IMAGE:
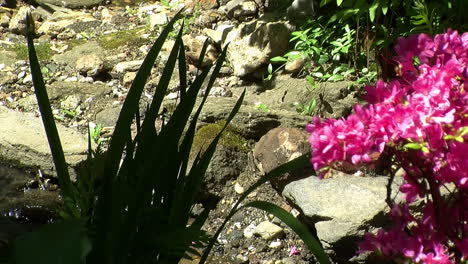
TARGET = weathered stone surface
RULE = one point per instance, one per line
(74, 4)
(23, 142)
(279, 146)
(268, 231)
(90, 65)
(70, 57)
(61, 20)
(345, 207)
(255, 43)
(17, 24)
(240, 8)
(125, 66)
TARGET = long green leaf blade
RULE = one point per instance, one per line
(48, 117)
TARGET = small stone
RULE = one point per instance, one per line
(21, 75)
(240, 259)
(268, 230)
(238, 188)
(249, 231)
(128, 78)
(125, 66)
(27, 79)
(91, 65)
(275, 244)
(295, 65)
(157, 19)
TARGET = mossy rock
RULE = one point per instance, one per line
(117, 39)
(231, 138)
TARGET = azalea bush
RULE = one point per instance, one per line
(419, 122)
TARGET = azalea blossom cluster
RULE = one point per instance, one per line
(419, 120)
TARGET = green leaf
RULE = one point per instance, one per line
(412, 146)
(58, 243)
(278, 59)
(338, 2)
(67, 189)
(373, 9)
(298, 228)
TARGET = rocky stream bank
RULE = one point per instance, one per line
(90, 52)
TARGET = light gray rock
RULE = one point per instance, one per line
(17, 23)
(90, 65)
(23, 142)
(73, 4)
(125, 66)
(240, 8)
(268, 231)
(157, 19)
(253, 44)
(70, 57)
(60, 20)
(343, 208)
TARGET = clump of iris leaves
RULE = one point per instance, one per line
(139, 213)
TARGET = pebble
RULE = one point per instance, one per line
(268, 231)
(249, 231)
(275, 244)
(238, 188)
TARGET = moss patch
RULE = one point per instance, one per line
(231, 138)
(117, 39)
(43, 51)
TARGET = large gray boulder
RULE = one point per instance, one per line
(343, 208)
(23, 143)
(254, 43)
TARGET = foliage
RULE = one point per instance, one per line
(419, 121)
(327, 49)
(140, 211)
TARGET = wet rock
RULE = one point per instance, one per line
(343, 208)
(268, 231)
(73, 4)
(253, 44)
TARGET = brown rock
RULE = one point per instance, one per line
(279, 146)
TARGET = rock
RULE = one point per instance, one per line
(279, 146)
(73, 4)
(301, 10)
(253, 44)
(70, 57)
(194, 46)
(157, 19)
(60, 20)
(23, 142)
(5, 20)
(240, 8)
(17, 23)
(238, 188)
(219, 35)
(89, 65)
(128, 78)
(203, 4)
(295, 66)
(249, 231)
(268, 230)
(343, 208)
(125, 66)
